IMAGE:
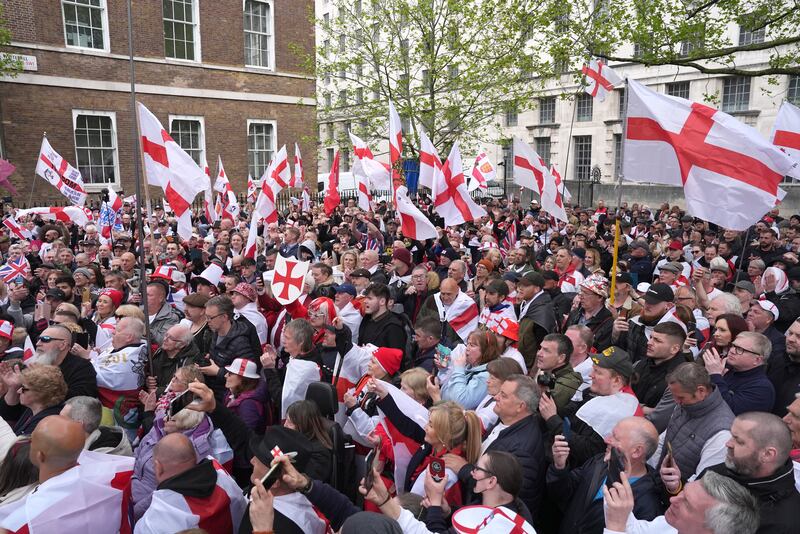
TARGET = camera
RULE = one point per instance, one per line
(546, 380)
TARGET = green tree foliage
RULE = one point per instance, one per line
(9, 66)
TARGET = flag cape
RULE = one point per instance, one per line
(297, 508)
(68, 214)
(61, 175)
(299, 374)
(462, 315)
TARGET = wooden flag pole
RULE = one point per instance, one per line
(617, 229)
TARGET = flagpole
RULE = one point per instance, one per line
(569, 145)
(137, 173)
(617, 229)
(33, 183)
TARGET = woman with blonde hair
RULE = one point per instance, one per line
(129, 310)
(414, 383)
(32, 395)
(348, 262)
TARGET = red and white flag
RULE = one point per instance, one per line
(299, 374)
(462, 314)
(170, 168)
(298, 179)
(252, 189)
(332, 197)
(403, 446)
(560, 185)
(729, 173)
(63, 176)
(288, 279)
(531, 172)
(230, 204)
(306, 205)
(15, 269)
(395, 146)
(17, 229)
(786, 133)
(91, 497)
(222, 511)
(281, 172)
(67, 214)
(450, 196)
(413, 223)
(364, 196)
(208, 196)
(377, 173)
(482, 172)
(429, 161)
(600, 79)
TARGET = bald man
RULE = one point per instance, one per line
(215, 497)
(56, 444)
(636, 439)
(449, 304)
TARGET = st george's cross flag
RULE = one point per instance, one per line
(17, 229)
(377, 173)
(332, 197)
(429, 161)
(560, 185)
(61, 175)
(413, 223)
(170, 168)
(786, 134)
(482, 172)
(531, 172)
(230, 204)
(395, 147)
(451, 198)
(208, 195)
(729, 172)
(67, 214)
(299, 374)
(281, 172)
(298, 178)
(461, 315)
(600, 79)
(252, 189)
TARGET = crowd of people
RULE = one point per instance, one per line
(508, 376)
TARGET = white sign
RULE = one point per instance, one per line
(28, 62)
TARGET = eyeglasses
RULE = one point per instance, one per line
(48, 339)
(23, 389)
(212, 317)
(737, 350)
(118, 316)
(317, 315)
(479, 468)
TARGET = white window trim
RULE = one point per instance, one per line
(106, 32)
(93, 188)
(274, 124)
(272, 67)
(198, 55)
(202, 122)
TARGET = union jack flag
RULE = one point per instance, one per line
(511, 237)
(15, 268)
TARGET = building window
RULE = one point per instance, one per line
(188, 132)
(96, 146)
(511, 116)
(345, 160)
(181, 30)
(584, 111)
(258, 45)
(331, 155)
(327, 99)
(85, 23)
(793, 92)
(583, 156)
(260, 146)
(508, 160)
(547, 110)
(342, 98)
(360, 95)
(736, 94)
(679, 89)
(748, 36)
(621, 103)
(543, 148)
(617, 155)
(342, 44)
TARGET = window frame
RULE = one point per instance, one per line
(271, 19)
(725, 84)
(584, 99)
(544, 140)
(94, 187)
(198, 54)
(274, 148)
(687, 83)
(104, 20)
(547, 99)
(575, 142)
(202, 136)
(793, 99)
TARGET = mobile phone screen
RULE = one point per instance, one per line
(180, 402)
(616, 465)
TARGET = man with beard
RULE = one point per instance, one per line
(769, 248)
(381, 326)
(53, 348)
(784, 372)
(562, 303)
(758, 459)
(633, 334)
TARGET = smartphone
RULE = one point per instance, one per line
(370, 463)
(180, 402)
(444, 354)
(669, 460)
(274, 472)
(616, 465)
(82, 339)
(566, 430)
(86, 295)
(623, 313)
(436, 468)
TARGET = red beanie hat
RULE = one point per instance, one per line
(389, 359)
(114, 294)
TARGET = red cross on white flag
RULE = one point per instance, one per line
(450, 195)
(786, 133)
(531, 172)
(276, 451)
(297, 179)
(288, 279)
(67, 214)
(600, 79)
(63, 176)
(482, 172)
(729, 172)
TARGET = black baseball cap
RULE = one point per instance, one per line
(616, 359)
(531, 278)
(659, 293)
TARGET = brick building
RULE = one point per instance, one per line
(224, 77)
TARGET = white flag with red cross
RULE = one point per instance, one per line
(450, 196)
(413, 223)
(377, 173)
(63, 176)
(395, 146)
(600, 79)
(786, 134)
(729, 172)
(288, 279)
(482, 172)
(17, 229)
(170, 168)
(230, 204)
(252, 189)
(531, 172)
(281, 171)
(67, 214)
(429, 161)
(208, 195)
(562, 188)
(297, 178)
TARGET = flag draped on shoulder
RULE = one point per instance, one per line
(482, 172)
(600, 79)
(299, 374)
(67, 214)
(531, 172)
(403, 446)
(332, 197)
(170, 168)
(729, 173)
(450, 195)
(786, 134)
(462, 314)
(61, 175)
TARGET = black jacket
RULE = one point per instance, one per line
(650, 380)
(778, 498)
(562, 303)
(524, 440)
(241, 342)
(25, 420)
(600, 324)
(80, 376)
(575, 491)
(387, 331)
(784, 373)
(164, 367)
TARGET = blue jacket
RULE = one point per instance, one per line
(746, 391)
(466, 386)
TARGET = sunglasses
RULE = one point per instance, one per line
(479, 468)
(48, 339)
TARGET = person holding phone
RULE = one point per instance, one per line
(635, 439)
